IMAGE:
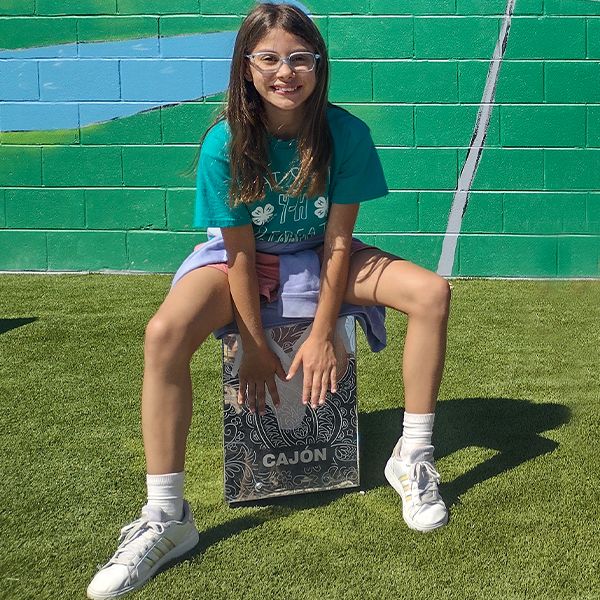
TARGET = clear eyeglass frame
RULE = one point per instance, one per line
(255, 58)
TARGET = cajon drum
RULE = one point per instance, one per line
(293, 449)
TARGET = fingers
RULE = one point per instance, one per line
(241, 396)
(273, 392)
(315, 386)
(324, 387)
(293, 368)
(280, 372)
(260, 399)
(333, 380)
(251, 396)
(306, 387)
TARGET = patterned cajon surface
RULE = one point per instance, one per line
(293, 449)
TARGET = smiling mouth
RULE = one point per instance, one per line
(285, 89)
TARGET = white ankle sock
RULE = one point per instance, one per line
(166, 492)
(416, 432)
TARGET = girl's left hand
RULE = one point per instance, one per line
(317, 357)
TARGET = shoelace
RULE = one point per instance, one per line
(132, 542)
(423, 473)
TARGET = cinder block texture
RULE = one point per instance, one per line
(593, 126)
(73, 80)
(45, 209)
(17, 7)
(415, 81)
(572, 169)
(450, 125)
(80, 166)
(573, 82)
(413, 7)
(179, 208)
(103, 104)
(546, 38)
(76, 7)
(543, 126)
(31, 32)
(371, 37)
(544, 213)
(498, 7)
(2, 209)
(99, 29)
(68, 250)
(508, 256)
(573, 7)
(351, 81)
(125, 209)
(593, 38)
(19, 80)
(23, 251)
(160, 7)
(579, 256)
(162, 252)
(459, 37)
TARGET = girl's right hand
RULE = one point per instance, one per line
(257, 370)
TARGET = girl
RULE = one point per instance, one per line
(281, 170)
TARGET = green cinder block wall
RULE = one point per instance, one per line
(101, 192)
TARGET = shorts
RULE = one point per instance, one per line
(267, 269)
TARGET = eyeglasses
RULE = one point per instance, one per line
(270, 62)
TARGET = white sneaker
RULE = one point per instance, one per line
(145, 546)
(416, 480)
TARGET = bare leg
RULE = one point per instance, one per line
(196, 306)
(376, 277)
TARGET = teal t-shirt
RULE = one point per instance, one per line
(355, 175)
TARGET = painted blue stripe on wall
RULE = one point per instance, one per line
(148, 81)
(32, 116)
(62, 51)
(78, 80)
(216, 76)
(19, 80)
(145, 47)
(98, 112)
(161, 80)
(199, 45)
(207, 45)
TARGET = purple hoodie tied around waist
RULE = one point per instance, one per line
(299, 283)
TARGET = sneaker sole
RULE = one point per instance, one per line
(176, 553)
(393, 481)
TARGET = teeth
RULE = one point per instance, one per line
(281, 89)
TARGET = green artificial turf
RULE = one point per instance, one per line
(516, 440)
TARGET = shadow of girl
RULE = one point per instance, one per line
(510, 427)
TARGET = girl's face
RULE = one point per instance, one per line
(285, 91)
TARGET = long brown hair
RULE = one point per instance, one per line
(245, 114)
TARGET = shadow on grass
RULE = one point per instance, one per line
(511, 427)
(8, 324)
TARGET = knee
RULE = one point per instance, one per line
(433, 298)
(166, 338)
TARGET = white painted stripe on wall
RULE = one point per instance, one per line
(469, 169)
